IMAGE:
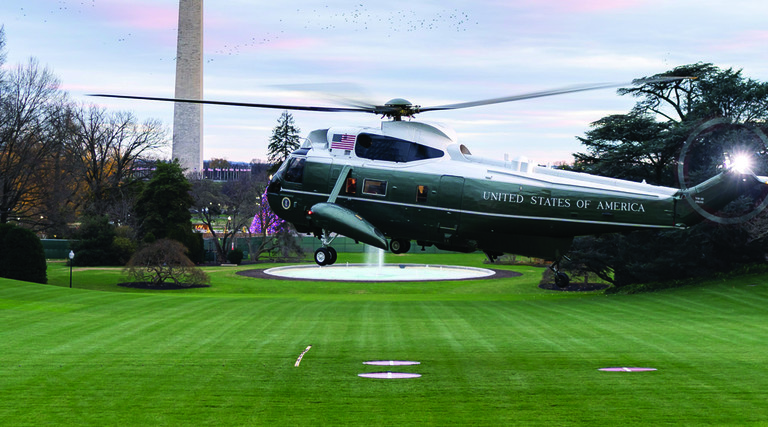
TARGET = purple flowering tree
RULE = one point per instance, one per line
(272, 233)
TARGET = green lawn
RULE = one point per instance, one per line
(494, 352)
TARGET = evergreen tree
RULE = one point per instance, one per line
(93, 242)
(284, 140)
(163, 209)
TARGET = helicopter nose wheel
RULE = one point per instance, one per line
(326, 256)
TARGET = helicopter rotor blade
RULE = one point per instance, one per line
(344, 94)
(242, 104)
(545, 93)
(397, 108)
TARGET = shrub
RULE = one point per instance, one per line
(162, 261)
(235, 256)
(123, 248)
(93, 244)
(22, 256)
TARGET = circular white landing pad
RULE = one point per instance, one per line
(385, 273)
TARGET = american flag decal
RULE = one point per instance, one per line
(343, 142)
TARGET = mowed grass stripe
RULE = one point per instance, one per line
(508, 354)
(162, 349)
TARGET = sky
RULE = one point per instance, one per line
(429, 52)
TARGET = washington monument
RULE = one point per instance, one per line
(188, 118)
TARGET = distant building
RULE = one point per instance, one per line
(233, 170)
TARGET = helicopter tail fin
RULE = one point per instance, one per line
(700, 202)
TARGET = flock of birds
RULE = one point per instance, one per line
(355, 18)
(359, 19)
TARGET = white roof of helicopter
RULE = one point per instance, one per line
(444, 138)
(434, 135)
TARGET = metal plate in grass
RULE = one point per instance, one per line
(626, 369)
(389, 375)
(391, 362)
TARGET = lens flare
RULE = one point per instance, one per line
(741, 163)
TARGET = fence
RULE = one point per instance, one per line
(56, 249)
(59, 249)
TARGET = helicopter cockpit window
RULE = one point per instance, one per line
(374, 187)
(295, 170)
(387, 148)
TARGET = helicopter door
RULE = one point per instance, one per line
(349, 187)
(334, 175)
(449, 199)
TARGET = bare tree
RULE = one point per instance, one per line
(242, 203)
(2, 49)
(232, 203)
(29, 97)
(107, 147)
(209, 204)
(59, 179)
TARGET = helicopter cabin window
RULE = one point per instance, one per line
(387, 148)
(374, 187)
(351, 186)
(421, 193)
(295, 170)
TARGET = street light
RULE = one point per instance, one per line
(71, 257)
(229, 227)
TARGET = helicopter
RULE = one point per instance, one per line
(410, 182)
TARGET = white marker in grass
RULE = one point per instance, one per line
(298, 361)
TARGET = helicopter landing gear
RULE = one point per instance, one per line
(561, 279)
(326, 255)
(492, 256)
(398, 246)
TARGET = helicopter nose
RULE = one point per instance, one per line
(275, 185)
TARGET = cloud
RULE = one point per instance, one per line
(743, 41)
(139, 15)
(570, 6)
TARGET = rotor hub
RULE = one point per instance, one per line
(398, 102)
(398, 108)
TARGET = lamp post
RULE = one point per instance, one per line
(71, 257)
(229, 227)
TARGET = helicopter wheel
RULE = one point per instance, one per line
(562, 280)
(333, 255)
(326, 256)
(398, 246)
(322, 256)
